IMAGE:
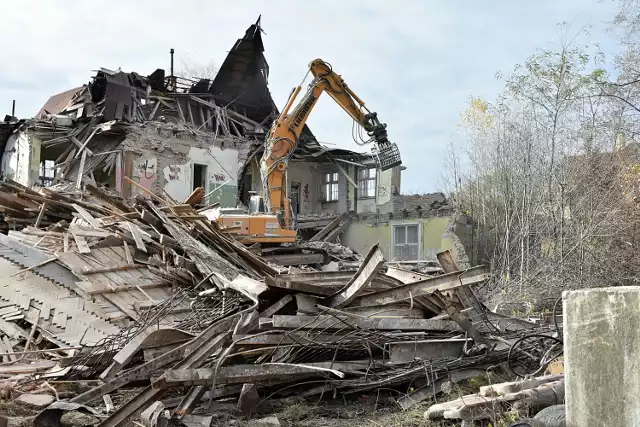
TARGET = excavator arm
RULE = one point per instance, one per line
(282, 139)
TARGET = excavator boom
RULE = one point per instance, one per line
(283, 136)
(276, 225)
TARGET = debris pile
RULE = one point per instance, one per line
(119, 293)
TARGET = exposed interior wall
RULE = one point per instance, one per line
(435, 237)
(219, 166)
(161, 160)
(21, 159)
(387, 185)
(309, 175)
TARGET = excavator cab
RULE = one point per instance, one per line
(256, 203)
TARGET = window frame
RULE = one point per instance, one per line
(330, 187)
(395, 246)
(366, 178)
(45, 178)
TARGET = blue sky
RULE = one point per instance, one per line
(415, 62)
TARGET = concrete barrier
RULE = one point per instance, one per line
(602, 356)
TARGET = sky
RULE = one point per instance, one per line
(415, 62)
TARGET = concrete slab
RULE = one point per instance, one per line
(602, 356)
(265, 422)
(37, 401)
(249, 399)
(407, 351)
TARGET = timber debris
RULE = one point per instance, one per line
(113, 293)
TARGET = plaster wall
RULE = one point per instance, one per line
(21, 159)
(434, 236)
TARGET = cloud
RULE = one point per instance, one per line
(415, 62)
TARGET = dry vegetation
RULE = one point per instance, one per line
(550, 173)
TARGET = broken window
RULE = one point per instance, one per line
(47, 172)
(367, 183)
(199, 176)
(406, 242)
(330, 181)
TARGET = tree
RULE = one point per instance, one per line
(194, 70)
(551, 174)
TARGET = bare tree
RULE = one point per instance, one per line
(195, 70)
(553, 183)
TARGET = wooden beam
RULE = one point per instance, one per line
(368, 268)
(338, 230)
(424, 287)
(237, 374)
(328, 322)
(326, 230)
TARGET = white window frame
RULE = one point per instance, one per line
(47, 172)
(330, 187)
(395, 246)
(367, 184)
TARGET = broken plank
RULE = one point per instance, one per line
(83, 159)
(124, 288)
(85, 215)
(28, 368)
(337, 231)
(434, 387)
(333, 323)
(81, 243)
(137, 236)
(40, 214)
(424, 287)
(408, 351)
(326, 230)
(237, 374)
(127, 253)
(113, 269)
(281, 282)
(368, 268)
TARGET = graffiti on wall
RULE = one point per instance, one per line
(174, 172)
(305, 192)
(219, 177)
(145, 171)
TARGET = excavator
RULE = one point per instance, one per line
(270, 219)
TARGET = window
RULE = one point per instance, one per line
(330, 182)
(47, 172)
(406, 242)
(367, 183)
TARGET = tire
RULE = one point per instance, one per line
(553, 416)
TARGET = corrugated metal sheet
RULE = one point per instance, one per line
(59, 102)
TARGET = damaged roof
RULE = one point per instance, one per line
(59, 102)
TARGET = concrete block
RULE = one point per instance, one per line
(37, 401)
(154, 416)
(265, 422)
(249, 399)
(602, 356)
(407, 351)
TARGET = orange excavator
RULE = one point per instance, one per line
(275, 224)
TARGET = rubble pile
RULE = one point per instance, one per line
(149, 292)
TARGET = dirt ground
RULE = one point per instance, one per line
(365, 412)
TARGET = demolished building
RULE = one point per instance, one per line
(118, 278)
(171, 135)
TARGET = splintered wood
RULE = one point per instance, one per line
(152, 290)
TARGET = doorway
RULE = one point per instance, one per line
(199, 176)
